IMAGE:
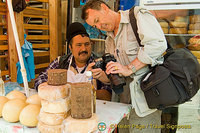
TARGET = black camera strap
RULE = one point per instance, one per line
(134, 24)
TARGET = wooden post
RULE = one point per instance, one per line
(64, 24)
(13, 57)
(55, 28)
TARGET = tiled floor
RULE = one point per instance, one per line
(188, 115)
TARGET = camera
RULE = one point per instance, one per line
(117, 82)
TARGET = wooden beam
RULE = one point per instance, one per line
(35, 16)
(3, 37)
(4, 73)
(39, 54)
(55, 28)
(3, 47)
(37, 37)
(40, 45)
(38, 66)
(36, 27)
(32, 11)
(2, 13)
(3, 56)
(42, 0)
(3, 24)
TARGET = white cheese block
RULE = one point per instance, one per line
(58, 106)
(43, 128)
(3, 100)
(12, 109)
(16, 95)
(52, 118)
(34, 99)
(51, 93)
(29, 115)
(71, 125)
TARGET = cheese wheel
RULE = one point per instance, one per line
(193, 31)
(52, 118)
(16, 95)
(196, 53)
(71, 125)
(43, 128)
(194, 47)
(3, 100)
(29, 115)
(180, 19)
(57, 77)
(177, 31)
(52, 93)
(195, 26)
(194, 40)
(164, 24)
(12, 109)
(59, 106)
(34, 99)
(194, 19)
(178, 24)
(165, 30)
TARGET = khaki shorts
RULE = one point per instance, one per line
(135, 124)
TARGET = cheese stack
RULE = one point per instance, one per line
(178, 26)
(164, 25)
(194, 26)
(194, 46)
(82, 113)
(55, 101)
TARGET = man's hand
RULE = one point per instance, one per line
(114, 67)
(98, 73)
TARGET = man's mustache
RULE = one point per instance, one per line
(83, 52)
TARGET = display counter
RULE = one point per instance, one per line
(109, 114)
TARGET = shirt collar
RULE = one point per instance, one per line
(124, 20)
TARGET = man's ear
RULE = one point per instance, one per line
(104, 7)
(70, 47)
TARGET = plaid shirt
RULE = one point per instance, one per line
(55, 64)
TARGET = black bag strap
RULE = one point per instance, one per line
(134, 24)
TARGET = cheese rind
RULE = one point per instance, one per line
(44, 128)
(52, 119)
(71, 125)
(59, 106)
(52, 93)
(57, 77)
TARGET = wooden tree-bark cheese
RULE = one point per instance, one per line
(57, 77)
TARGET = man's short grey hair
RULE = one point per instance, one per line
(91, 4)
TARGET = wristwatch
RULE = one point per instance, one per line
(132, 67)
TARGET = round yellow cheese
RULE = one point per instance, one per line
(29, 115)
(3, 100)
(34, 99)
(16, 95)
(12, 109)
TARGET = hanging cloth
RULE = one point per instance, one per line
(27, 53)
